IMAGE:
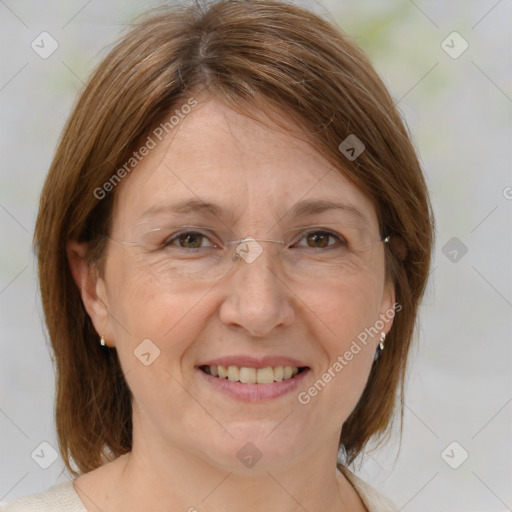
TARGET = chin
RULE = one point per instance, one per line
(254, 449)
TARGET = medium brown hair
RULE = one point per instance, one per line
(257, 53)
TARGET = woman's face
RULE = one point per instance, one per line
(178, 314)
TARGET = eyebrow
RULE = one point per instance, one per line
(316, 206)
(301, 209)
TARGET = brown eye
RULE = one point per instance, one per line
(192, 238)
(184, 240)
(319, 239)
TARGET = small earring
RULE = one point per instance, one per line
(382, 339)
(380, 347)
(102, 341)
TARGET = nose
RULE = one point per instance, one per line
(257, 297)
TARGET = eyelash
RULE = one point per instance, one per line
(169, 241)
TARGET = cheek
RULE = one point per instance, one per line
(143, 307)
(348, 312)
(149, 317)
(346, 309)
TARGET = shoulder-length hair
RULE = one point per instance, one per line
(247, 54)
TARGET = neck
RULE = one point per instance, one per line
(193, 485)
(175, 479)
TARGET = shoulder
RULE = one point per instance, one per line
(60, 498)
(372, 499)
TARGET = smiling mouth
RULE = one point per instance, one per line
(247, 375)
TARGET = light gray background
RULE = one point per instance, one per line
(459, 110)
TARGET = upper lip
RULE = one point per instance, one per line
(254, 362)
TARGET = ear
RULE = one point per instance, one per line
(91, 286)
(387, 306)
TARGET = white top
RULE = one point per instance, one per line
(63, 498)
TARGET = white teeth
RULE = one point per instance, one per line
(248, 375)
(222, 371)
(233, 373)
(288, 372)
(265, 375)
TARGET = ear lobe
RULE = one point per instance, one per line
(387, 308)
(90, 285)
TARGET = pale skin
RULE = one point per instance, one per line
(186, 433)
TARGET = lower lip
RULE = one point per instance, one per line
(255, 392)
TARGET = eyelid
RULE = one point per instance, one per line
(337, 236)
(177, 230)
(339, 231)
(172, 238)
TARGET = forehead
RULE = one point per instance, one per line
(216, 161)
